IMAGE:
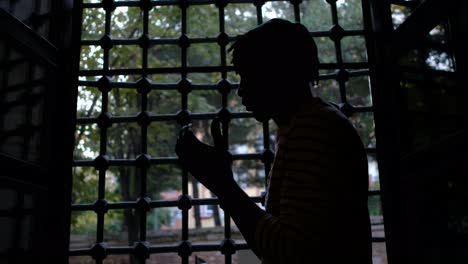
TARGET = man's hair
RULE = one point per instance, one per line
(277, 47)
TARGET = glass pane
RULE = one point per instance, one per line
(209, 257)
(358, 91)
(88, 78)
(89, 102)
(124, 141)
(379, 253)
(164, 101)
(203, 101)
(280, 9)
(240, 18)
(80, 259)
(93, 23)
(235, 102)
(354, 49)
(91, 58)
(83, 229)
(164, 182)
(114, 185)
(127, 22)
(326, 50)
(232, 76)
(163, 137)
(439, 60)
(125, 56)
(205, 221)
(161, 56)
(273, 134)
(85, 185)
(364, 124)
(164, 226)
(119, 227)
(165, 78)
(123, 102)
(374, 179)
(202, 130)
(163, 258)
(375, 213)
(202, 21)
(350, 14)
(203, 54)
(122, 184)
(86, 142)
(329, 91)
(438, 34)
(164, 22)
(316, 15)
(246, 136)
(399, 14)
(111, 259)
(204, 78)
(250, 175)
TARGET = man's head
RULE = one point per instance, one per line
(276, 62)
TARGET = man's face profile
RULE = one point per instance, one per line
(254, 100)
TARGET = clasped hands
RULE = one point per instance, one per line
(210, 165)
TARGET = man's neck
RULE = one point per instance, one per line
(283, 120)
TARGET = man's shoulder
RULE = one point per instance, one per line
(319, 110)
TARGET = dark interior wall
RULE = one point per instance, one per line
(457, 200)
(36, 130)
(421, 128)
(433, 156)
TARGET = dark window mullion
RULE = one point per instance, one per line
(225, 122)
(107, 32)
(185, 211)
(258, 7)
(339, 55)
(297, 11)
(144, 129)
(103, 139)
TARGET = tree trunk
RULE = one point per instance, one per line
(196, 209)
(217, 218)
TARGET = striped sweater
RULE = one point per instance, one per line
(316, 200)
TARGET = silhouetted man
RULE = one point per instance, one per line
(316, 203)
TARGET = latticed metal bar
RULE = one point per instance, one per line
(340, 71)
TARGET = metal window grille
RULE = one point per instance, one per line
(341, 71)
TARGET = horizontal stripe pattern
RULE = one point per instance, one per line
(314, 179)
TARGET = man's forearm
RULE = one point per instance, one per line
(243, 211)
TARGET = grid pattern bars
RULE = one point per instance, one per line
(174, 66)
